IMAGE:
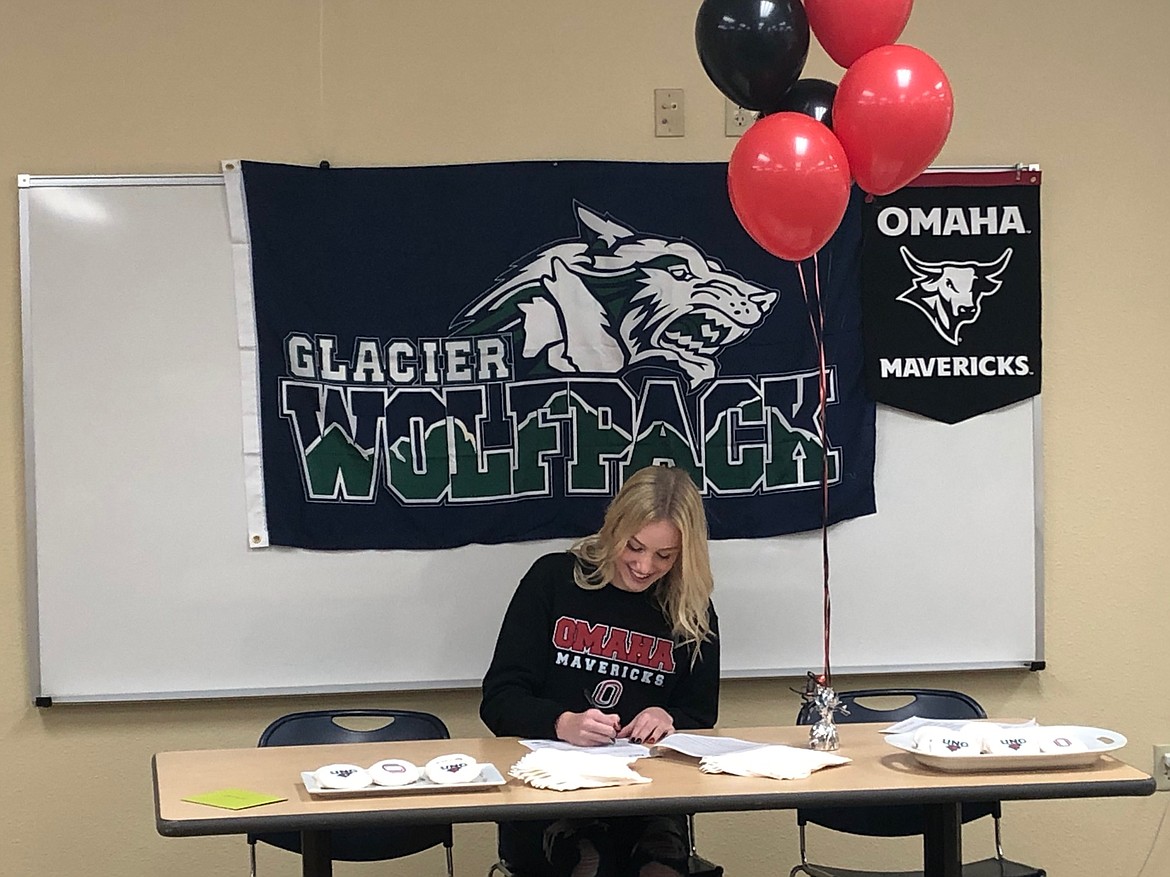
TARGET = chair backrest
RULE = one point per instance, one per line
(928, 703)
(321, 726)
(904, 819)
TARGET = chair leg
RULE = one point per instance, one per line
(450, 861)
(252, 860)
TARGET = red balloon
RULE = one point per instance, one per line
(788, 180)
(892, 113)
(847, 29)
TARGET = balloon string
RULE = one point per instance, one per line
(816, 316)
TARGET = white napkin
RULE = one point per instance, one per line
(777, 762)
(564, 770)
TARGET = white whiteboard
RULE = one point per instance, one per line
(141, 584)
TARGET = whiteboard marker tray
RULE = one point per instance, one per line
(488, 778)
(1096, 741)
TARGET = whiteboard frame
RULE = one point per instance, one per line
(27, 182)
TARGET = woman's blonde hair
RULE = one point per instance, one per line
(657, 493)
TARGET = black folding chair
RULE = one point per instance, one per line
(901, 820)
(358, 845)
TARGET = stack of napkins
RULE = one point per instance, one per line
(777, 762)
(565, 770)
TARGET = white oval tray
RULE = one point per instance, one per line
(488, 778)
(1096, 740)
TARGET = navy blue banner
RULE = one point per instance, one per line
(951, 293)
(483, 353)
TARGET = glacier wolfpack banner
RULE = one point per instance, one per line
(951, 293)
(483, 353)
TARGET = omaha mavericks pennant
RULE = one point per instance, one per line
(951, 293)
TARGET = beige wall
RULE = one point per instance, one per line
(143, 86)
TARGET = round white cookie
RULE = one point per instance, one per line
(1054, 741)
(966, 741)
(1012, 741)
(926, 737)
(454, 768)
(395, 772)
(342, 776)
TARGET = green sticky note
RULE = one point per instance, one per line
(234, 799)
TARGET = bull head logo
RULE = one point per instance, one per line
(951, 293)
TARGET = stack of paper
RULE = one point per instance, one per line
(564, 770)
(620, 748)
(700, 745)
(777, 762)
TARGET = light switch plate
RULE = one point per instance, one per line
(668, 112)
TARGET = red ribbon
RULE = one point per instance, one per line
(816, 317)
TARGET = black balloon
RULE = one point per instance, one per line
(753, 51)
(813, 97)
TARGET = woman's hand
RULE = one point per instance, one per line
(648, 726)
(590, 728)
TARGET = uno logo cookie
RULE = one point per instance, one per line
(394, 772)
(957, 745)
(936, 740)
(454, 768)
(342, 776)
(1009, 742)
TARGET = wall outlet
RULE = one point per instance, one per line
(736, 119)
(668, 112)
(1162, 767)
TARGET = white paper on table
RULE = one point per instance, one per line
(915, 722)
(620, 748)
(701, 745)
(776, 762)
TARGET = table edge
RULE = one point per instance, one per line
(553, 809)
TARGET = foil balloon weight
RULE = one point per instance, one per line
(752, 51)
(892, 113)
(788, 181)
(822, 736)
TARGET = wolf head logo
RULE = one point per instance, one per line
(615, 298)
(951, 293)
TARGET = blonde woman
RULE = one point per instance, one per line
(616, 638)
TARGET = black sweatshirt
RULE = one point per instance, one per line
(562, 647)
